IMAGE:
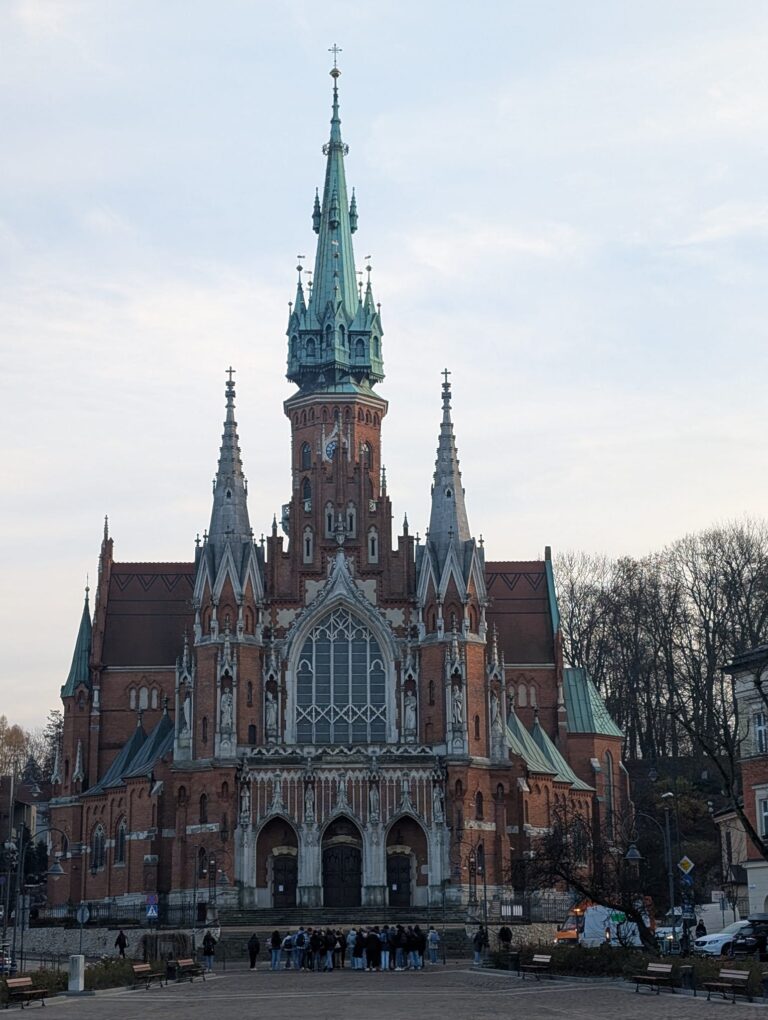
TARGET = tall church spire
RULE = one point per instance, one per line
(79, 671)
(229, 517)
(335, 340)
(448, 517)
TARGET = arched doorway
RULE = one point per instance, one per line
(277, 860)
(342, 864)
(407, 856)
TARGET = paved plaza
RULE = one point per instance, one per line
(453, 991)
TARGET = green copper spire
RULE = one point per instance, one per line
(79, 671)
(335, 338)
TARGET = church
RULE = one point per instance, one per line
(332, 716)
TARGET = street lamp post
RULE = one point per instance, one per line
(665, 835)
(482, 869)
(472, 866)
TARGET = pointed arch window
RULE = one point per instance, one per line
(120, 835)
(359, 349)
(477, 727)
(373, 545)
(431, 692)
(143, 698)
(249, 694)
(306, 457)
(252, 734)
(340, 684)
(154, 698)
(203, 818)
(329, 520)
(351, 520)
(308, 545)
(310, 352)
(132, 698)
(204, 729)
(306, 494)
(98, 842)
(479, 806)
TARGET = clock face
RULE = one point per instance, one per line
(330, 449)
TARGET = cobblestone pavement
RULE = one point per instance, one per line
(454, 991)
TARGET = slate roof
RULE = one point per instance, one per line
(122, 763)
(521, 743)
(157, 745)
(149, 606)
(565, 773)
(79, 671)
(585, 708)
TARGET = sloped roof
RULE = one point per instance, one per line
(79, 671)
(157, 744)
(149, 606)
(521, 743)
(565, 773)
(585, 708)
(122, 763)
(521, 607)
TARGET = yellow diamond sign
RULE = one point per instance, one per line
(686, 865)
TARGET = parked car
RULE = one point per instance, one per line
(721, 943)
(753, 937)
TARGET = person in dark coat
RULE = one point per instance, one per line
(373, 949)
(274, 946)
(209, 950)
(420, 940)
(121, 943)
(253, 949)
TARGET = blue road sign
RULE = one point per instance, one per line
(151, 911)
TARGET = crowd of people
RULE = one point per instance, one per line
(378, 948)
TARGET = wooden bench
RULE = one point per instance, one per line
(729, 982)
(143, 974)
(656, 975)
(22, 990)
(188, 968)
(539, 965)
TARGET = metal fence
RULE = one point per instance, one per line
(178, 915)
(529, 909)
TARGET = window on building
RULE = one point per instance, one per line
(154, 700)
(359, 350)
(252, 734)
(762, 816)
(143, 698)
(522, 696)
(329, 522)
(120, 834)
(373, 545)
(204, 729)
(760, 729)
(203, 809)
(431, 692)
(309, 545)
(306, 457)
(481, 860)
(351, 520)
(249, 693)
(340, 687)
(479, 806)
(132, 698)
(609, 795)
(202, 862)
(311, 349)
(182, 795)
(306, 494)
(477, 727)
(97, 848)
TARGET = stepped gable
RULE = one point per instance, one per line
(519, 593)
(148, 609)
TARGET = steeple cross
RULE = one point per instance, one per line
(230, 372)
(335, 50)
(445, 373)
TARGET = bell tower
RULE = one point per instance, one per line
(335, 358)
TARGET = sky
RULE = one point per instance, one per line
(565, 204)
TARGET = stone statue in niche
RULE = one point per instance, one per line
(245, 800)
(341, 791)
(409, 715)
(277, 793)
(457, 705)
(309, 803)
(227, 712)
(438, 806)
(270, 715)
(373, 803)
(495, 712)
(186, 715)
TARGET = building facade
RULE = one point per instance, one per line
(336, 715)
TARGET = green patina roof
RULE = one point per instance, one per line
(79, 671)
(565, 773)
(585, 708)
(122, 763)
(157, 744)
(521, 743)
(554, 609)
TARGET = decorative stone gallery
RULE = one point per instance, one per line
(320, 717)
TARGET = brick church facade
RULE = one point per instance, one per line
(332, 718)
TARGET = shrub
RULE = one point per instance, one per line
(111, 972)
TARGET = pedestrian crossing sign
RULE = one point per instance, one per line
(151, 911)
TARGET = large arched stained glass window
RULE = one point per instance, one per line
(340, 684)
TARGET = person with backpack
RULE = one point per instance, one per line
(287, 948)
(253, 949)
(384, 939)
(433, 941)
(299, 948)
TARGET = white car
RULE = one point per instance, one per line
(719, 944)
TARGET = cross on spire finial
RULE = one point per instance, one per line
(335, 50)
(230, 373)
(445, 373)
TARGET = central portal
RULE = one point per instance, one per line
(342, 865)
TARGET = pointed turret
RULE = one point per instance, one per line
(79, 671)
(229, 517)
(335, 339)
(448, 518)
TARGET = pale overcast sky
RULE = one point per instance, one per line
(565, 203)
